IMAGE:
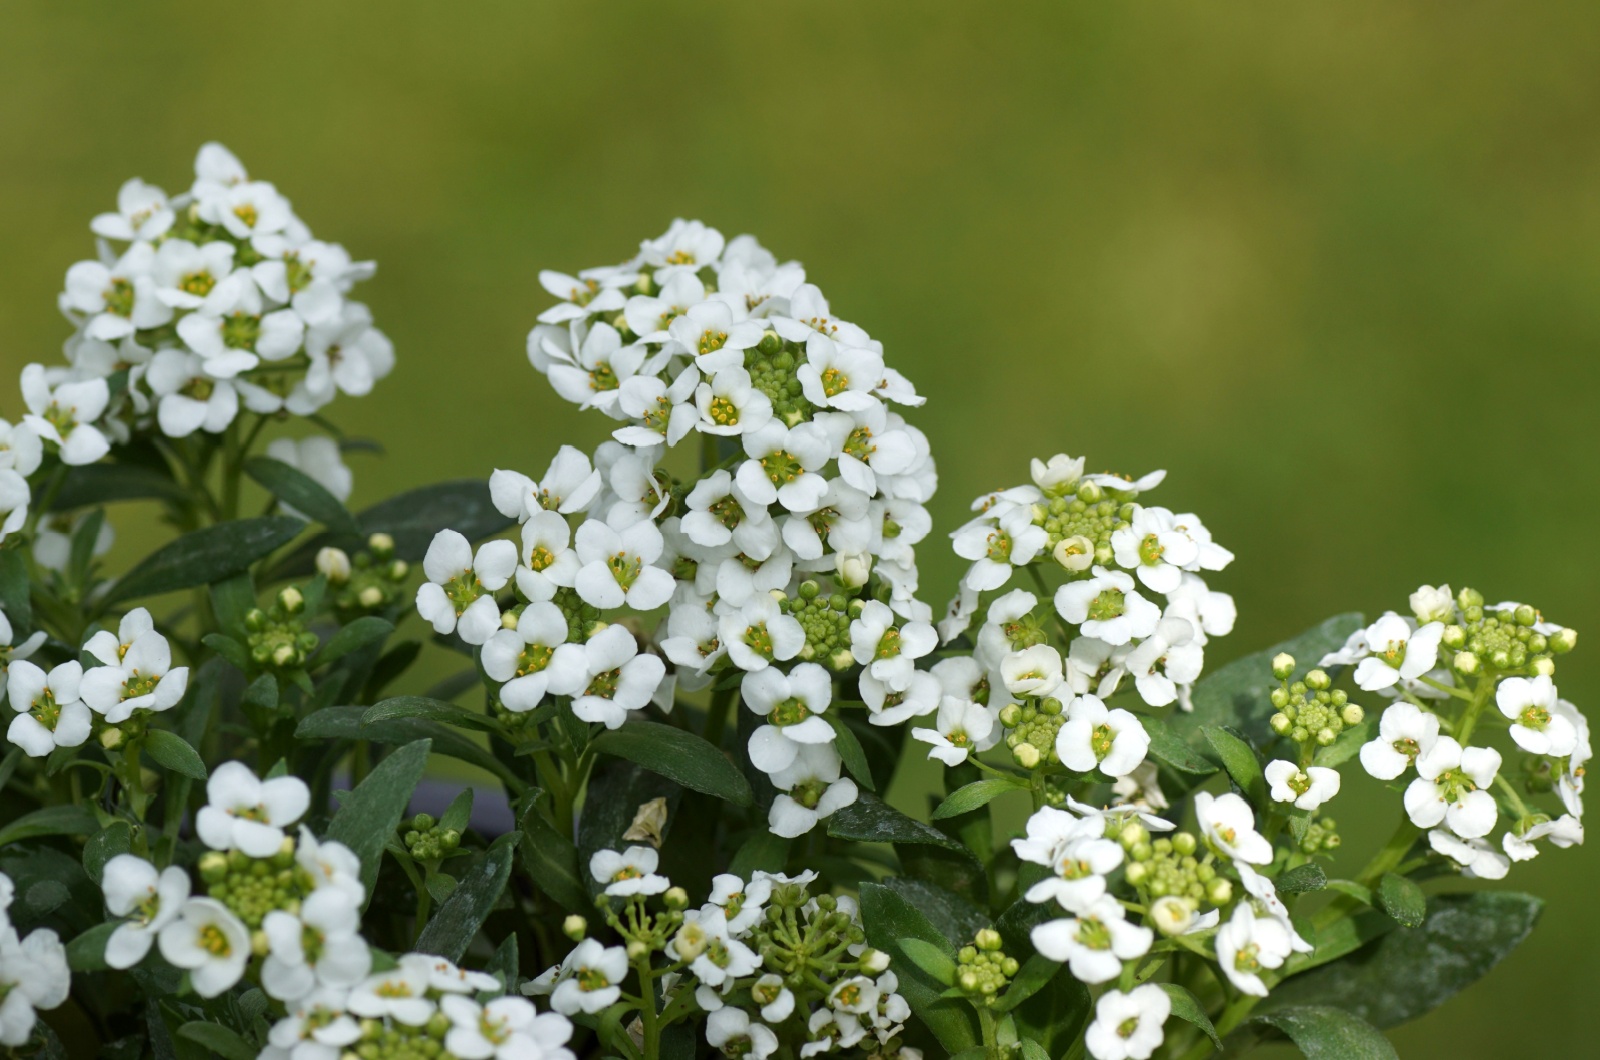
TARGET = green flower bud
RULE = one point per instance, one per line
(1010, 715)
(1027, 755)
(1352, 714)
(1465, 662)
(291, 600)
(380, 545)
(676, 898)
(1563, 641)
(1184, 843)
(334, 564)
(1219, 891)
(1281, 724)
(988, 939)
(1282, 665)
(1544, 667)
(1454, 637)
(575, 927)
(637, 951)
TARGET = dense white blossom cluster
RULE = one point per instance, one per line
(198, 307)
(790, 556)
(34, 975)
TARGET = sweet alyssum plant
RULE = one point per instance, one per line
(687, 667)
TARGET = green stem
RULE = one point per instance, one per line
(1480, 699)
(647, 1008)
(723, 702)
(991, 1047)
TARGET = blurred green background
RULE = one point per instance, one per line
(1337, 267)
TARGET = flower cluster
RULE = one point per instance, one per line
(33, 973)
(198, 307)
(790, 556)
(772, 965)
(1444, 666)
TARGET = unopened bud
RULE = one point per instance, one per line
(291, 600)
(1544, 667)
(1454, 636)
(854, 569)
(111, 738)
(1075, 553)
(637, 951)
(1563, 640)
(1010, 715)
(1281, 724)
(370, 597)
(398, 570)
(1219, 891)
(1352, 714)
(1026, 754)
(988, 939)
(1184, 843)
(874, 962)
(213, 866)
(259, 944)
(509, 620)
(334, 564)
(1171, 915)
(380, 545)
(1282, 665)
(575, 927)
(284, 654)
(1133, 833)
(1318, 679)
(676, 898)
(1465, 662)
(1526, 615)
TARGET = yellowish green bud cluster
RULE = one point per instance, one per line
(1087, 514)
(1320, 838)
(372, 578)
(1165, 867)
(982, 969)
(826, 622)
(1505, 639)
(427, 840)
(1308, 712)
(254, 887)
(395, 1041)
(1031, 731)
(277, 637)
(772, 363)
(583, 620)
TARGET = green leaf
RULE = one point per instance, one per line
(218, 1039)
(459, 813)
(1239, 693)
(1239, 760)
(1353, 889)
(1323, 1032)
(461, 915)
(205, 556)
(369, 815)
(1167, 748)
(301, 492)
(1031, 1050)
(888, 918)
(104, 482)
(115, 838)
(173, 751)
(364, 631)
(617, 788)
(504, 964)
(66, 819)
(871, 820)
(1405, 974)
(1346, 747)
(1302, 879)
(344, 723)
(1187, 1007)
(1029, 980)
(930, 958)
(235, 653)
(955, 917)
(231, 599)
(552, 861)
(16, 594)
(850, 750)
(979, 793)
(677, 755)
(84, 539)
(1402, 899)
(762, 850)
(430, 710)
(87, 952)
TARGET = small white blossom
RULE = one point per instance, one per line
(65, 414)
(569, 486)
(617, 568)
(1536, 726)
(150, 900)
(1094, 944)
(1229, 825)
(1404, 732)
(631, 872)
(962, 727)
(1128, 1026)
(244, 812)
(794, 705)
(1451, 787)
(591, 979)
(459, 593)
(49, 712)
(1107, 607)
(1306, 789)
(1094, 737)
(1247, 945)
(209, 942)
(1398, 651)
(320, 945)
(1477, 858)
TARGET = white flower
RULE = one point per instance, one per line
(715, 957)
(686, 245)
(889, 651)
(244, 812)
(347, 355)
(569, 485)
(49, 712)
(459, 592)
(592, 291)
(401, 993)
(1564, 831)
(595, 371)
(1079, 861)
(330, 864)
(245, 209)
(1154, 548)
(1404, 732)
(318, 458)
(839, 375)
(729, 405)
(1166, 662)
(731, 1030)
(1248, 944)
(1265, 893)
(996, 548)
(1229, 825)
(810, 789)
(759, 633)
(185, 274)
(1433, 605)
(1107, 607)
(519, 658)
(1094, 944)
(1536, 726)
(1570, 782)
(142, 213)
(617, 567)
(664, 413)
(793, 705)
(234, 333)
(1477, 858)
(209, 942)
(65, 414)
(319, 945)
(782, 466)
(631, 872)
(116, 299)
(14, 500)
(548, 563)
(607, 676)
(1128, 1026)
(1114, 741)
(447, 977)
(10, 653)
(962, 727)
(138, 673)
(719, 513)
(1398, 652)
(317, 1027)
(1211, 613)
(592, 979)
(1306, 789)
(189, 399)
(648, 316)
(33, 975)
(20, 449)
(503, 1028)
(1451, 786)
(149, 899)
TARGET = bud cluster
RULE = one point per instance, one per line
(1031, 730)
(368, 582)
(428, 839)
(1310, 711)
(277, 637)
(983, 971)
(825, 620)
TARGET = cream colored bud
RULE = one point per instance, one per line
(508, 620)
(1465, 662)
(1171, 915)
(283, 655)
(334, 564)
(371, 596)
(874, 962)
(575, 927)
(637, 950)
(1075, 553)
(111, 738)
(1026, 754)
(380, 544)
(291, 600)
(1544, 667)
(1282, 665)
(690, 941)
(854, 569)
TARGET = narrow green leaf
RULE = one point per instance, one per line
(429, 710)
(1029, 980)
(231, 599)
(1187, 1007)
(115, 838)
(1031, 1050)
(173, 751)
(1323, 1032)
(111, 481)
(979, 793)
(84, 539)
(344, 723)
(504, 965)
(66, 819)
(369, 815)
(205, 556)
(364, 631)
(218, 1039)
(850, 750)
(1167, 748)
(235, 653)
(1402, 899)
(1302, 879)
(955, 917)
(552, 861)
(461, 915)
(871, 820)
(888, 918)
(1351, 888)
(301, 492)
(930, 958)
(1346, 747)
(87, 952)
(677, 755)
(763, 851)
(459, 812)
(1239, 760)
(16, 593)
